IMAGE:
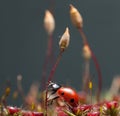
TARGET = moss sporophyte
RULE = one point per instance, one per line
(54, 99)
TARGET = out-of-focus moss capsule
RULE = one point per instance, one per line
(15, 94)
(65, 39)
(49, 22)
(90, 85)
(7, 91)
(86, 52)
(76, 17)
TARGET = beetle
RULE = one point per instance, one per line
(67, 94)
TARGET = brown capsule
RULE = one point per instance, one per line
(7, 91)
(49, 22)
(76, 17)
(86, 52)
(65, 39)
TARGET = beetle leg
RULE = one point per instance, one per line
(51, 101)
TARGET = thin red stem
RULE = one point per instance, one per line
(48, 59)
(86, 75)
(55, 66)
(51, 77)
(20, 89)
(85, 42)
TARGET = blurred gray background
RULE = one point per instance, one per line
(23, 40)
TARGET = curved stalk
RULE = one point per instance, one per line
(85, 42)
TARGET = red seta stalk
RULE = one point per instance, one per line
(86, 76)
(48, 60)
(55, 66)
(63, 44)
(85, 42)
(51, 76)
(19, 87)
